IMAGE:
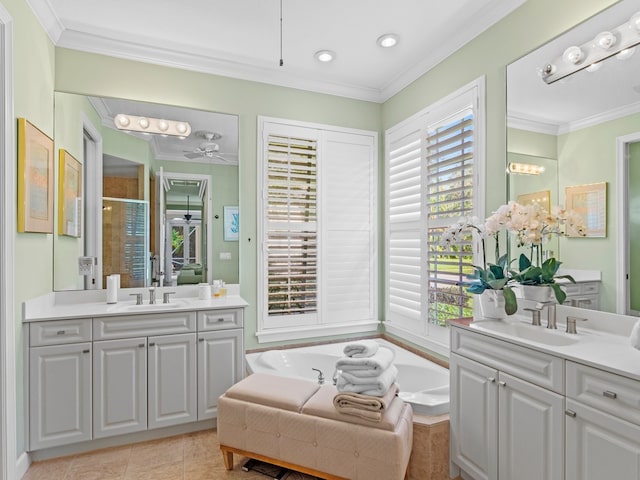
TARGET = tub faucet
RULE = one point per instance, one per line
(320, 375)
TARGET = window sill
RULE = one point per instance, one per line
(315, 331)
(436, 346)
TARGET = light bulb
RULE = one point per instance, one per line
(634, 22)
(606, 40)
(325, 55)
(572, 55)
(122, 120)
(181, 128)
(388, 40)
(143, 122)
(163, 125)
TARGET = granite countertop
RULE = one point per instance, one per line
(89, 304)
(605, 344)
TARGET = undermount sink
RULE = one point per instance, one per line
(528, 332)
(132, 307)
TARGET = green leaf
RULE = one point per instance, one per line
(567, 277)
(560, 295)
(510, 301)
(497, 271)
(497, 284)
(523, 262)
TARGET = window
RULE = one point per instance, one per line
(317, 257)
(433, 173)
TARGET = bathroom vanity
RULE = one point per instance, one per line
(98, 370)
(529, 402)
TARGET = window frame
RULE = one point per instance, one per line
(421, 332)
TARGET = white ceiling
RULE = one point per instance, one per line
(241, 39)
(584, 98)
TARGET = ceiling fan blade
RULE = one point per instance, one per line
(192, 155)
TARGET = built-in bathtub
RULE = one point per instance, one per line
(424, 384)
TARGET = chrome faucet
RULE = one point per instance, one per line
(571, 324)
(320, 375)
(152, 295)
(551, 313)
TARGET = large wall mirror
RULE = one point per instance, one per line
(583, 129)
(154, 207)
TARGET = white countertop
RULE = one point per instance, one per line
(600, 347)
(92, 303)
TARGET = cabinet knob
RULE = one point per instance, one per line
(570, 413)
(151, 344)
(491, 379)
(610, 394)
(141, 345)
(61, 332)
(86, 351)
(502, 384)
(221, 319)
(201, 339)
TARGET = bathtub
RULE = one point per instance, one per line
(422, 383)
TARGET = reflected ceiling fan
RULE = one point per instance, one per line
(208, 148)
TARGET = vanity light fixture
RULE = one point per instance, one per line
(157, 126)
(388, 40)
(525, 168)
(619, 42)
(325, 55)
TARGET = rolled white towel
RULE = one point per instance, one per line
(367, 366)
(374, 386)
(635, 335)
(361, 348)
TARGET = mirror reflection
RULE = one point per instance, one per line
(587, 123)
(153, 203)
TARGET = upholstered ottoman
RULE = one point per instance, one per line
(293, 423)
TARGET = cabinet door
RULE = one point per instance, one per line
(172, 380)
(60, 395)
(119, 386)
(474, 417)
(600, 446)
(220, 365)
(531, 431)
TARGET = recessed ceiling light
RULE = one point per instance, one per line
(325, 55)
(388, 40)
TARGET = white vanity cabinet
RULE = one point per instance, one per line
(220, 357)
(507, 409)
(60, 394)
(583, 295)
(603, 425)
(92, 378)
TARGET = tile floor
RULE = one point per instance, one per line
(192, 456)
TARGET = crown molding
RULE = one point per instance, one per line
(594, 120)
(46, 15)
(531, 125)
(464, 34)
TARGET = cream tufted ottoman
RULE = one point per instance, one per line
(293, 423)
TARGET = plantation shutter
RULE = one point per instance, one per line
(449, 195)
(404, 227)
(291, 227)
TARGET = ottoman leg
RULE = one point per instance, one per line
(227, 456)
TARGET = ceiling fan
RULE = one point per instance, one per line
(208, 148)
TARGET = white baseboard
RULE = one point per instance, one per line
(22, 464)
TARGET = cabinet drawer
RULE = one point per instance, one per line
(58, 332)
(144, 325)
(531, 365)
(219, 319)
(590, 288)
(607, 392)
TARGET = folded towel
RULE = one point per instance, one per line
(367, 366)
(635, 335)
(375, 386)
(365, 402)
(361, 348)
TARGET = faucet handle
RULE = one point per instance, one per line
(138, 297)
(535, 316)
(165, 296)
(571, 324)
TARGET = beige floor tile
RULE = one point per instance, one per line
(171, 471)
(156, 453)
(201, 447)
(54, 469)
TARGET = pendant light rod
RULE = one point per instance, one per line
(281, 60)
(187, 216)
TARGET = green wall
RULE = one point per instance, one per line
(36, 79)
(589, 156)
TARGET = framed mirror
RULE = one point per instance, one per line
(153, 202)
(579, 122)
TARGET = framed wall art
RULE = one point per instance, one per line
(69, 195)
(231, 224)
(35, 179)
(542, 198)
(590, 201)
